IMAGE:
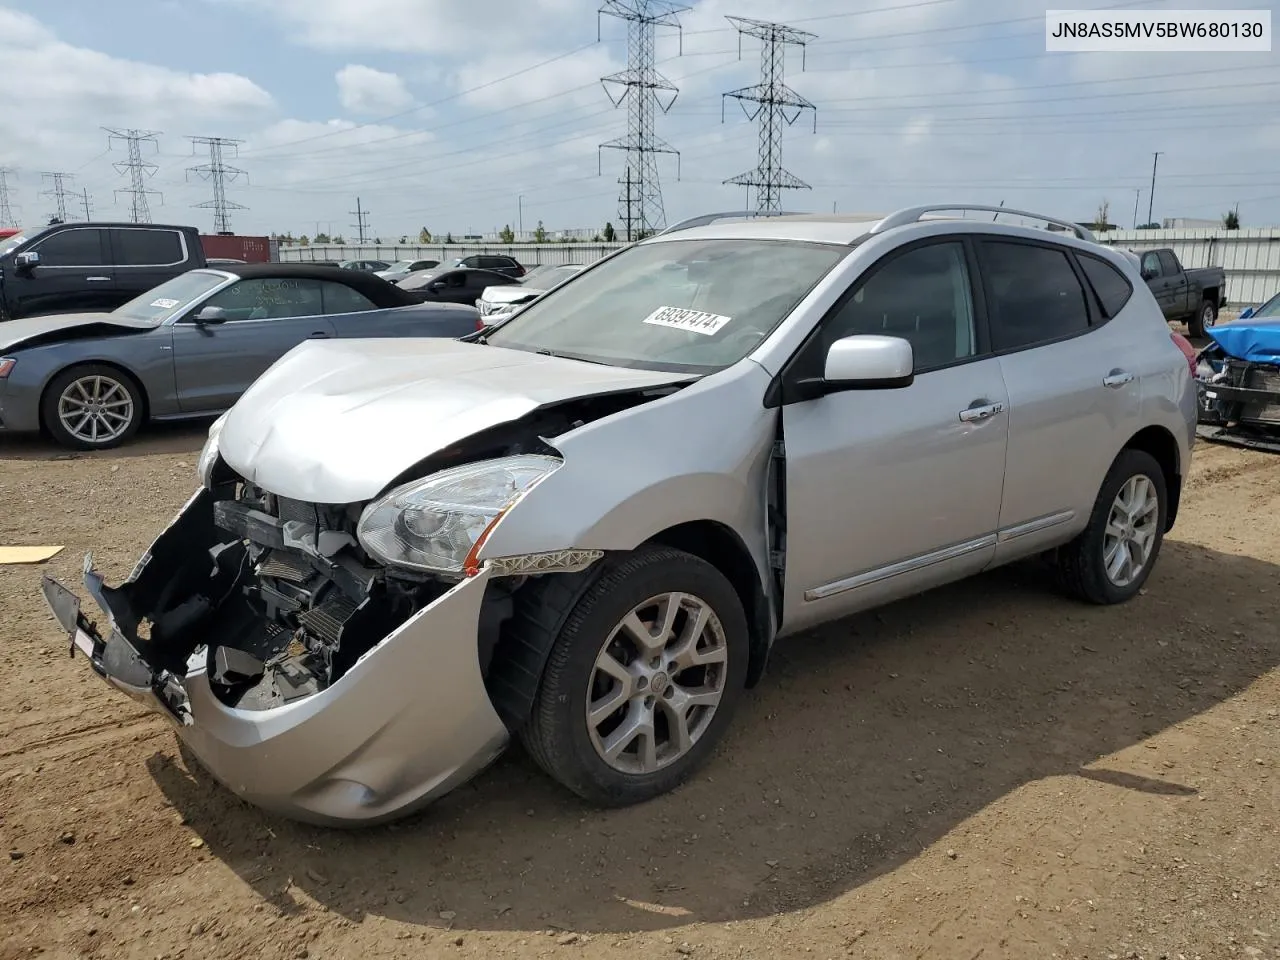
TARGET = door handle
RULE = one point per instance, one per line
(319, 335)
(979, 413)
(1117, 379)
(96, 279)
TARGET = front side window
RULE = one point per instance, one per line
(1151, 264)
(693, 306)
(147, 248)
(72, 248)
(339, 298)
(269, 299)
(923, 296)
(1033, 295)
(1269, 309)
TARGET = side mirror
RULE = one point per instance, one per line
(1148, 273)
(868, 362)
(210, 315)
(1246, 313)
(27, 261)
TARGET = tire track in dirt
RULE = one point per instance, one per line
(117, 729)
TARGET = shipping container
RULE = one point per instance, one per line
(248, 249)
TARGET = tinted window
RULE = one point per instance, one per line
(1032, 295)
(1108, 283)
(269, 299)
(72, 248)
(1151, 265)
(339, 298)
(923, 296)
(1168, 263)
(457, 278)
(484, 278)
(147, 248)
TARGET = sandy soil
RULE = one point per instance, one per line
(987, 771)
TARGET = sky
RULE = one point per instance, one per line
(463, 118)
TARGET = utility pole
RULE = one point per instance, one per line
(1137, 195)
(520, 217)
(643, 88)
(362, 219)
(775, 102)
(7, 219)
(1151, 200)
(88, 208)
(139, 170)
(219, 174)
(59, 193)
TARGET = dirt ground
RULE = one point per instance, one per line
(987, 771)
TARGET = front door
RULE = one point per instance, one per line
(265, 319)
(1162, 287)
(74, 275)
(892, 491)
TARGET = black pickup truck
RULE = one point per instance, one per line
(91, 267)
(1193, 297)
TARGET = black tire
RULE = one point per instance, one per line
(1206, 316)
(1081, 564)
(557, 735)
(127, 387)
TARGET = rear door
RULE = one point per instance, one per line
(1074, 392)
(74, 275)
(266, 318)
(146, 257)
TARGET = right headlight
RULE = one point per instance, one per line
(209, 455)
(438, 524)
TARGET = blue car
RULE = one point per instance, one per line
(191, 346)
(1238, 380)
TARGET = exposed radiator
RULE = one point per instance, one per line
(325, 620)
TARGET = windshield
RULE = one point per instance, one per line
(173, 296)
(688, 306)
(11, 243)
(1269, 309)
(401, 266)
(547, 277)
(419, 279)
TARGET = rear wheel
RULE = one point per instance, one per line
(1113, 557)
(1204, 318)
(92, 407)
(642, 679)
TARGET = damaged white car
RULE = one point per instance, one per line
(586, 526)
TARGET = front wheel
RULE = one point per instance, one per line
(642, 679)
(1204, 318)
(1112, 558)
(92, 407)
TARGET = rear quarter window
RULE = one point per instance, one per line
(1109, 285)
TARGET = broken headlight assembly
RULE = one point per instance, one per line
(209, 453)
(439, 523)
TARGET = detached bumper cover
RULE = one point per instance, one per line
(406, 724)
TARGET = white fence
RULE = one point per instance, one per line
(1251, 257)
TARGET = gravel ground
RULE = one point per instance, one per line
(986, 771)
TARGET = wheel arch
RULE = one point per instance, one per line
(1160, 444)
(143, 398)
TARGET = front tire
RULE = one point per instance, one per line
(1112, 558)
(1204, 318)
(642, 680)
(92, 407)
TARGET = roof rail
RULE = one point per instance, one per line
(914, 214)
(703, 219)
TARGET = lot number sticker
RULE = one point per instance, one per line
(164, 303)
(694, 321)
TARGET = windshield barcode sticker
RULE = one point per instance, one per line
(164, 303)
(695, 321)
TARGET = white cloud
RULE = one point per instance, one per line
(365, 90)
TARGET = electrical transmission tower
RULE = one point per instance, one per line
(219, 174)
(774, 102)
(58, 192)
(7, 219)
(139, 170)
(362, 219)
(87, 204)
(643, 88)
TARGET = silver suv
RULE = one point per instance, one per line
(587, 525)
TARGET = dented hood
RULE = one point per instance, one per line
(335, 421)
(33, 331)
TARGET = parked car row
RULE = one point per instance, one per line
(586, 525)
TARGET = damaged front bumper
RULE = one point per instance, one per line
(403, 724)
(1239, 401)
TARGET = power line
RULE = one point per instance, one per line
(362, 219)
(139, 170)
(643, 88)
(219, 173)
(775, 102)
(58, 193)
(6, 208)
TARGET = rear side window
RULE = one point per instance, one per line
(72, 248)
(1168, 263)
(147, 248)
(339, 298)
(1110, 285)
(1033, 295)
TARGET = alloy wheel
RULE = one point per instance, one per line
(96, 409)
(1131, 530)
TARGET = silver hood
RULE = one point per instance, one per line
(65, 326)
(335, 421)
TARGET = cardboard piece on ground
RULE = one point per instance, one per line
(10, 555)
